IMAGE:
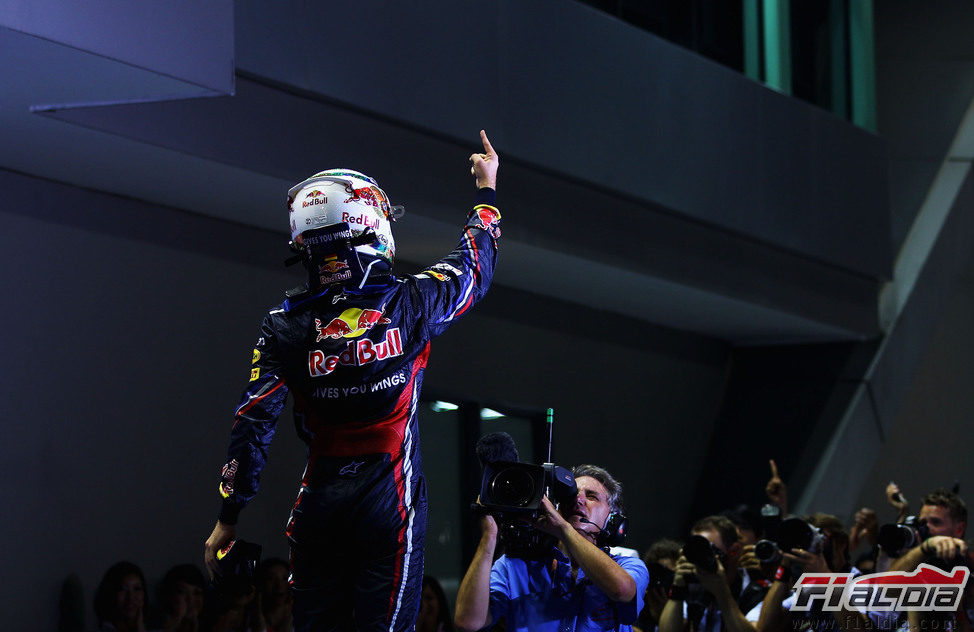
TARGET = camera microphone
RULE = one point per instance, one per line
(496, 447)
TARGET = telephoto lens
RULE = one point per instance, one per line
(767, 551)
(701, 553)
(895, 538)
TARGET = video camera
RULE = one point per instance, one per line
(512, 491)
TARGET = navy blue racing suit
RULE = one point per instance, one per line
(353, 359)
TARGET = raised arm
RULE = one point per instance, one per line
(473, 597)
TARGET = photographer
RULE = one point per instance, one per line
(828, 552)
(660, 559)
(730, 592)
(945, 516)
(576, 585)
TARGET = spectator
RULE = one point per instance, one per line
(660, 559)
(181, 595)
(747, 532)
(746, 523)
(728, 593)
(434, 611)
(866, 562)
(274, 596)
(865, 529)
(576, 586)
(236, 612)
(120, 599)
(776, 490)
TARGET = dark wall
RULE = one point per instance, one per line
(929, 443)
(129, 330)
(782, 403)
(590, 98)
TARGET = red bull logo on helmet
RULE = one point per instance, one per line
(372, 196)
(312, 202)
(360, 219)
(351, 323)
(315, 197)
(356, 353)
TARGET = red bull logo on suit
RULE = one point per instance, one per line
(351, 323)
(488, 219)
(356, 353)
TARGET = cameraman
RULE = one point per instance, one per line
(945, 515)
(730, 592)
(577, 586)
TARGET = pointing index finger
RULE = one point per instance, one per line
(488, 149)
(774, 468)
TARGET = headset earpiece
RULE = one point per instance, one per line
(614, 532)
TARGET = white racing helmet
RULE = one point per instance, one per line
(342, 195)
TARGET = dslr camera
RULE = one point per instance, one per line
(898, 538)
(703, 553)
(792, 533)
(512, 491)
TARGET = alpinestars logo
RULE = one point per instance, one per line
(926, 589)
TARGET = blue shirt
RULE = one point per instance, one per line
(526, 595)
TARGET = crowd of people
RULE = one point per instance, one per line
(735, 571)
(188, 602)
(750, 577)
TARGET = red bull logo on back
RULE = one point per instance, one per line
(356, 353)
(333, 267)
(351, 323)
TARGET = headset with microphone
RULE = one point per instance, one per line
(614, 531)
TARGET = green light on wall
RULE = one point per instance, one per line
(442, 407)
(777, 45)
(862, 64)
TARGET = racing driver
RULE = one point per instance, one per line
(351, 348)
